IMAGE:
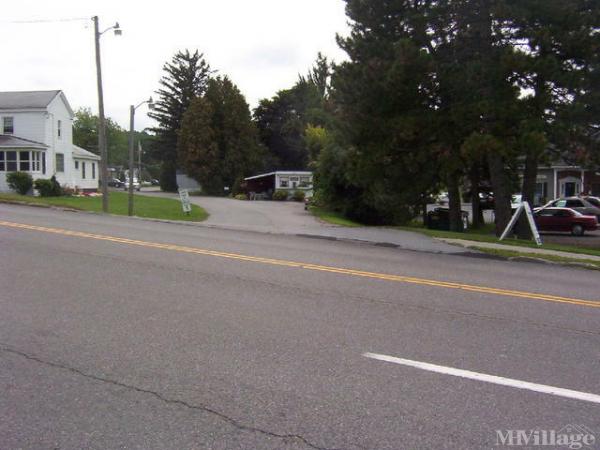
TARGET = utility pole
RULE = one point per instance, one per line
(131, 139)
(131, 152)
(140, 161)
(101, 121)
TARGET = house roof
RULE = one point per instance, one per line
(280, 172)
(81, 153)
(19, 100)
(8, 141)
(26, 99)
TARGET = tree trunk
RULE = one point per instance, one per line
(502, 194)
(477, 220)
(528, 192)
(454, 203)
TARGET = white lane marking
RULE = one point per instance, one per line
(544, 389)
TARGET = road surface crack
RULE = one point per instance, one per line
(235, 423)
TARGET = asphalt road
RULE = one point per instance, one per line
(124, 333)
(290, 218)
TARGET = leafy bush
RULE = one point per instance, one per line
(21, 182)
(241, 197)
(280, 195)
(298, 196)
(48, 188)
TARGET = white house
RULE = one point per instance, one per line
(36, 136)
(282, 180)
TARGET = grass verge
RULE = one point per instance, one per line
(595, 265)
(486, 234)
(143, 206)
(333, 217)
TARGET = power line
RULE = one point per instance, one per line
(72, 19)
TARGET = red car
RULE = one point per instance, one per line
(564, 219)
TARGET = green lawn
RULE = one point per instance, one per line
(333, 217)
(143, 206)
(559, 259)
(486, 234)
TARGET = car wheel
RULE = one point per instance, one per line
(577, 230)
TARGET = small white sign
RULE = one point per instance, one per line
(523, 207)
(184, 196)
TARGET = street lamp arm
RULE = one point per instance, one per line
(149, 101)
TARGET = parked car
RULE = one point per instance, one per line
(579, 204)
(136, 185)
(486, 200)
(564, 220)
(115, 182)
(439, 219)
(154, 182)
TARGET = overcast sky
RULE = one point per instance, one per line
(262, 45)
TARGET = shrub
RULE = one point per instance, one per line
(48, 188)
(298, 196)
(21, 182)
(241, 197)
(280, 195)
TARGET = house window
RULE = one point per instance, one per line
(36, 158)
(83, 170)
(43, 155)
(541, 192)
(8, 125)
(596, 189)
(24, 161)
(9, 161)
(284, 182)
(59, 129)
(305, 182)
(76, 165)
(93, 171)
(60, 162)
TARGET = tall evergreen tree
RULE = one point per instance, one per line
(186, 77)
(218, 142)
(283, 119)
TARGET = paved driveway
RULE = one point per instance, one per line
(291, 218)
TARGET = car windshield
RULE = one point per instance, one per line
(594, 201)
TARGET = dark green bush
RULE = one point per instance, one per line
(48, 188)
(280, 195)
(298, 196)
(21, 182)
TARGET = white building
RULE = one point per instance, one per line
(36, 136)
(282, 180)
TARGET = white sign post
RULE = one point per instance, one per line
(524, 206)
(184, 196)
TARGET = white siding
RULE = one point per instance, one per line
(57, 110)
(42, 126)
(28, 125)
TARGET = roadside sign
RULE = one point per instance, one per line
(524, 206)
(184, 196)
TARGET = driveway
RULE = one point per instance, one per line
(291, 218)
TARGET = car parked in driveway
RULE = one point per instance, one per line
(564, 220)
(580, 204)
(136, 185)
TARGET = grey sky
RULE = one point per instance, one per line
(261, 44)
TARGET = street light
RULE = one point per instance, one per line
(132, 109)
(102, 121)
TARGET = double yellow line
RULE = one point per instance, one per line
(308, 266)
